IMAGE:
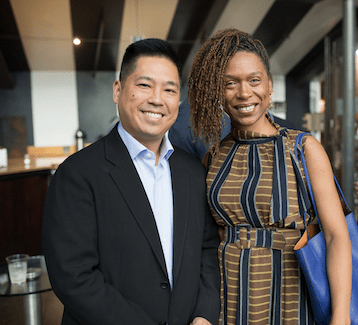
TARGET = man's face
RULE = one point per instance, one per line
(148, 99)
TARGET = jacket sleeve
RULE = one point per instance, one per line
(208, 302)
(70, 237)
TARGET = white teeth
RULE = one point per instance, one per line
(247, 108)
(156, 115)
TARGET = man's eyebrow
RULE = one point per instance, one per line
(173, 83)
(169, 82)
(144, 77)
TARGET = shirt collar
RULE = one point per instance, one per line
(135, 148)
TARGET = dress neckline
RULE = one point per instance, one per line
(246, 135)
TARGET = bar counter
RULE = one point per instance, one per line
(17, 165)
(23, 189)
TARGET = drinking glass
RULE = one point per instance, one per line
(17, 265)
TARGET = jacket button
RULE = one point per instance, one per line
(163, 323)
(164, 285)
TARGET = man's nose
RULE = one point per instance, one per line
(156, 97)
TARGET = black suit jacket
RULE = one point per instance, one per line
(102, 247)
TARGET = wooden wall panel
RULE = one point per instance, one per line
(22, 199)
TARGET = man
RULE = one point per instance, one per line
(127, 234)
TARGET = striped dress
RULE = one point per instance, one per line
(252, 191)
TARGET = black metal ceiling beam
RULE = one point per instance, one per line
(99, 47)
(280, 21)
(313, 63)
(189, 18)
(12, 55)
(309, 67)
(193, 23)
(5, 77)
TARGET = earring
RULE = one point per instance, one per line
(222, 109)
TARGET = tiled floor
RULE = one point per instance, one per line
(12, 310)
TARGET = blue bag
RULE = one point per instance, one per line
(311, 254)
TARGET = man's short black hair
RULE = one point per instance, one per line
(147, 47)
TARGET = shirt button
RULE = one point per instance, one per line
(164, 285)
(148, 155)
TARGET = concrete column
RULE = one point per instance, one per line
(348, 157)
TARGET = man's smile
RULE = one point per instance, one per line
(154, 115)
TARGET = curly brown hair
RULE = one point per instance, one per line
(206, 87)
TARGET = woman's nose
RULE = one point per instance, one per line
(243, 91)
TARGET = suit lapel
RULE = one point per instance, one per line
(125, 175)
(181, 210)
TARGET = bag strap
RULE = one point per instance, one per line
(301, 157)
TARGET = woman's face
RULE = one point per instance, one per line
(248, 91)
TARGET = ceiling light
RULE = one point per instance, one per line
(76, 41)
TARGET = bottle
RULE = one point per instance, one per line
(27, 160)
(80, 139)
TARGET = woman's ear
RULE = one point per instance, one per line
(270, 88)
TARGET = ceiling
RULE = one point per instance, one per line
(37, 35)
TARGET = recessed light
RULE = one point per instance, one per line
(76, 41)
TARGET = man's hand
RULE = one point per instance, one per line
(200, 321)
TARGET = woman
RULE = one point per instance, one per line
(252, 190)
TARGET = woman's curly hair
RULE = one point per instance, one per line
(206, 84)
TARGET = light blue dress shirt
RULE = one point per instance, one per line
(157, 183)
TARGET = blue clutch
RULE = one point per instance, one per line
(311, 254)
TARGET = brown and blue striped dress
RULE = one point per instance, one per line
(253, 193)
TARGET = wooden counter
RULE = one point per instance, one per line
(17, 166)
(23, 190)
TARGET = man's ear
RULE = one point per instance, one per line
(116, 90)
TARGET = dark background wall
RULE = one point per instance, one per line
(17, 102)
(95, 104)
(298, 101)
